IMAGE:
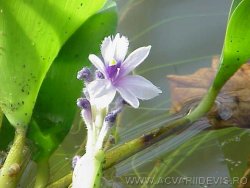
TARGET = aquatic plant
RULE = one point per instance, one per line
(42, 48)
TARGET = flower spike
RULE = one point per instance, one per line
(111, 77)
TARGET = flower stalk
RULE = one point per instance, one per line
(204, 106)
(88, 170)
(42, 175)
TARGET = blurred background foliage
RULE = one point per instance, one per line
(184, 35)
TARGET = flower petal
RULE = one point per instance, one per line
(101, 93)
(97, 63)
(105, 100)
(121, 48)
(139, 87)
(96, 87)
(128, 97)
(108, 50)
(135, 59)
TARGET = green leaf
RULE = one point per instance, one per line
(234, 4)
(56, 104)
(236, 49)
(32, 33)
(6, 134)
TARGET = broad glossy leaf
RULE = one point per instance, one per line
(56, 104)
(32, 33)
(236, 49)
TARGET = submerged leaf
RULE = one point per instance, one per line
(32, 33)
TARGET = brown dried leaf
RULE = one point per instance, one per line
(232, 104)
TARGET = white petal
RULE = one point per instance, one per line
(135, 59)
(97, 63)
(128, 97)
(139, 87)
(121, 48)
(108, 50)
(101, 93)
(96, 87)
(105, 100)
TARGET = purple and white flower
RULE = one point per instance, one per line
(115, 69)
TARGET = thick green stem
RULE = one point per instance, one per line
(62, 183)
(11, 169)
(205, 105)
(42, 175)
(120, 153)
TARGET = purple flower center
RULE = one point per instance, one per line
(113, 71)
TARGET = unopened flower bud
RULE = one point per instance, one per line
(86, 113)
(84, 75)
(83, 103)
(111, 117)
(99, 75)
